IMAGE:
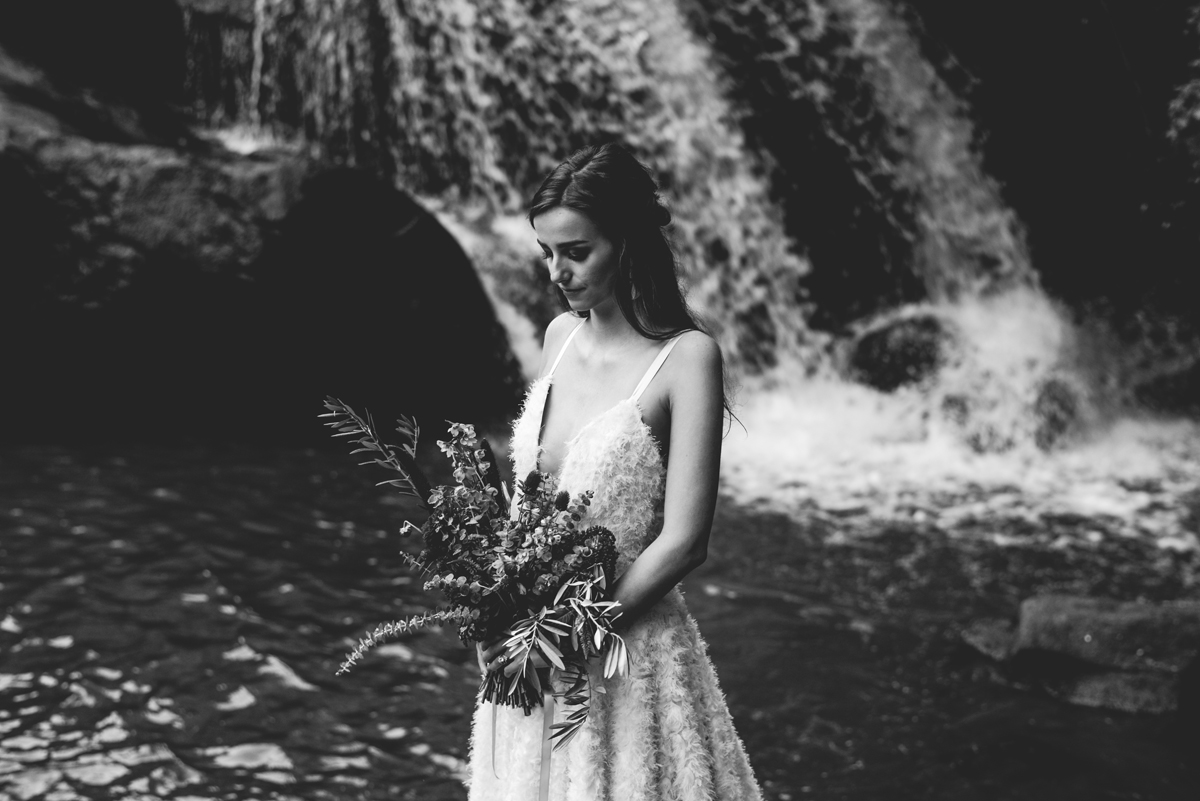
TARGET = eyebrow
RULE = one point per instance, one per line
(569, 244)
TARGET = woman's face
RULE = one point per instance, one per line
(583, 261)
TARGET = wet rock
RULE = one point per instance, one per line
(992, 638)
(1098, 652)
(901, 351)
(1058, 412)
(1128, 636)
(1154, 693)
(127, 211)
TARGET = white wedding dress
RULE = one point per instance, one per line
(661, 733)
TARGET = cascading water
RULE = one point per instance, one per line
(1013, 426)
(467, 103)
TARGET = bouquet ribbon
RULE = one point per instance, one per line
(547, 743)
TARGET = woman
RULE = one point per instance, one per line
(613, 414)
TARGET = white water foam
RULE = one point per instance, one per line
(826, 444)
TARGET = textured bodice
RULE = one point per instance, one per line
(615, 456)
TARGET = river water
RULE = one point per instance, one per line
(171, 619)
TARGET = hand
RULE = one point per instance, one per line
(489, 657)
(493, 656)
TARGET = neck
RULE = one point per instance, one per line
(608, 325)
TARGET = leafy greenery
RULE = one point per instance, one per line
(524, 570)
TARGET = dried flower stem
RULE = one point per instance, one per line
(397, 627)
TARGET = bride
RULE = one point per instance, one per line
(629, 404)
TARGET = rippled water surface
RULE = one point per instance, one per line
(171, 619)
(174, 619)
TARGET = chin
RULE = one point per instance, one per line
(577, 302)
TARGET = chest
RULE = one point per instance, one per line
(577, 399)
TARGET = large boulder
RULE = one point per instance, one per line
(901, 351)
(1112, 634)
(1132, 657)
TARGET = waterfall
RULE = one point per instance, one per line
(467, 103)
(966, 239)
(826, 179)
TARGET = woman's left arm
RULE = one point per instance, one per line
(697, 412)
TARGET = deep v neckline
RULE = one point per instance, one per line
(569, 445)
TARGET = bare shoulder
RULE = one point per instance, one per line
(556, 334)
(697, 353)
(695, 367)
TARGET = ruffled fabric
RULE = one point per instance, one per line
(662, 733)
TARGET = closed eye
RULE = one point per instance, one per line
(573, 255)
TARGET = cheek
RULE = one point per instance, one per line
(607, 268)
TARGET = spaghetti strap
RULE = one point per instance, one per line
(563, 349)
(654, 366)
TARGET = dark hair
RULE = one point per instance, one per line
(615, 190)
(618, 193)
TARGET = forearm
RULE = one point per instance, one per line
(660, 567)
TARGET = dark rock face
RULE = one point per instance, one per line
(377, 301)
(1086, 129)
(903, 351)
(124, 50)
(158, 292)
(118, 208)
(1133, 657)
(1177, 392)
(187, 296)
(218, 35)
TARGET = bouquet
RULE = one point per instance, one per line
(534, 575)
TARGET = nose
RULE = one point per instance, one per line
(558, 274)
